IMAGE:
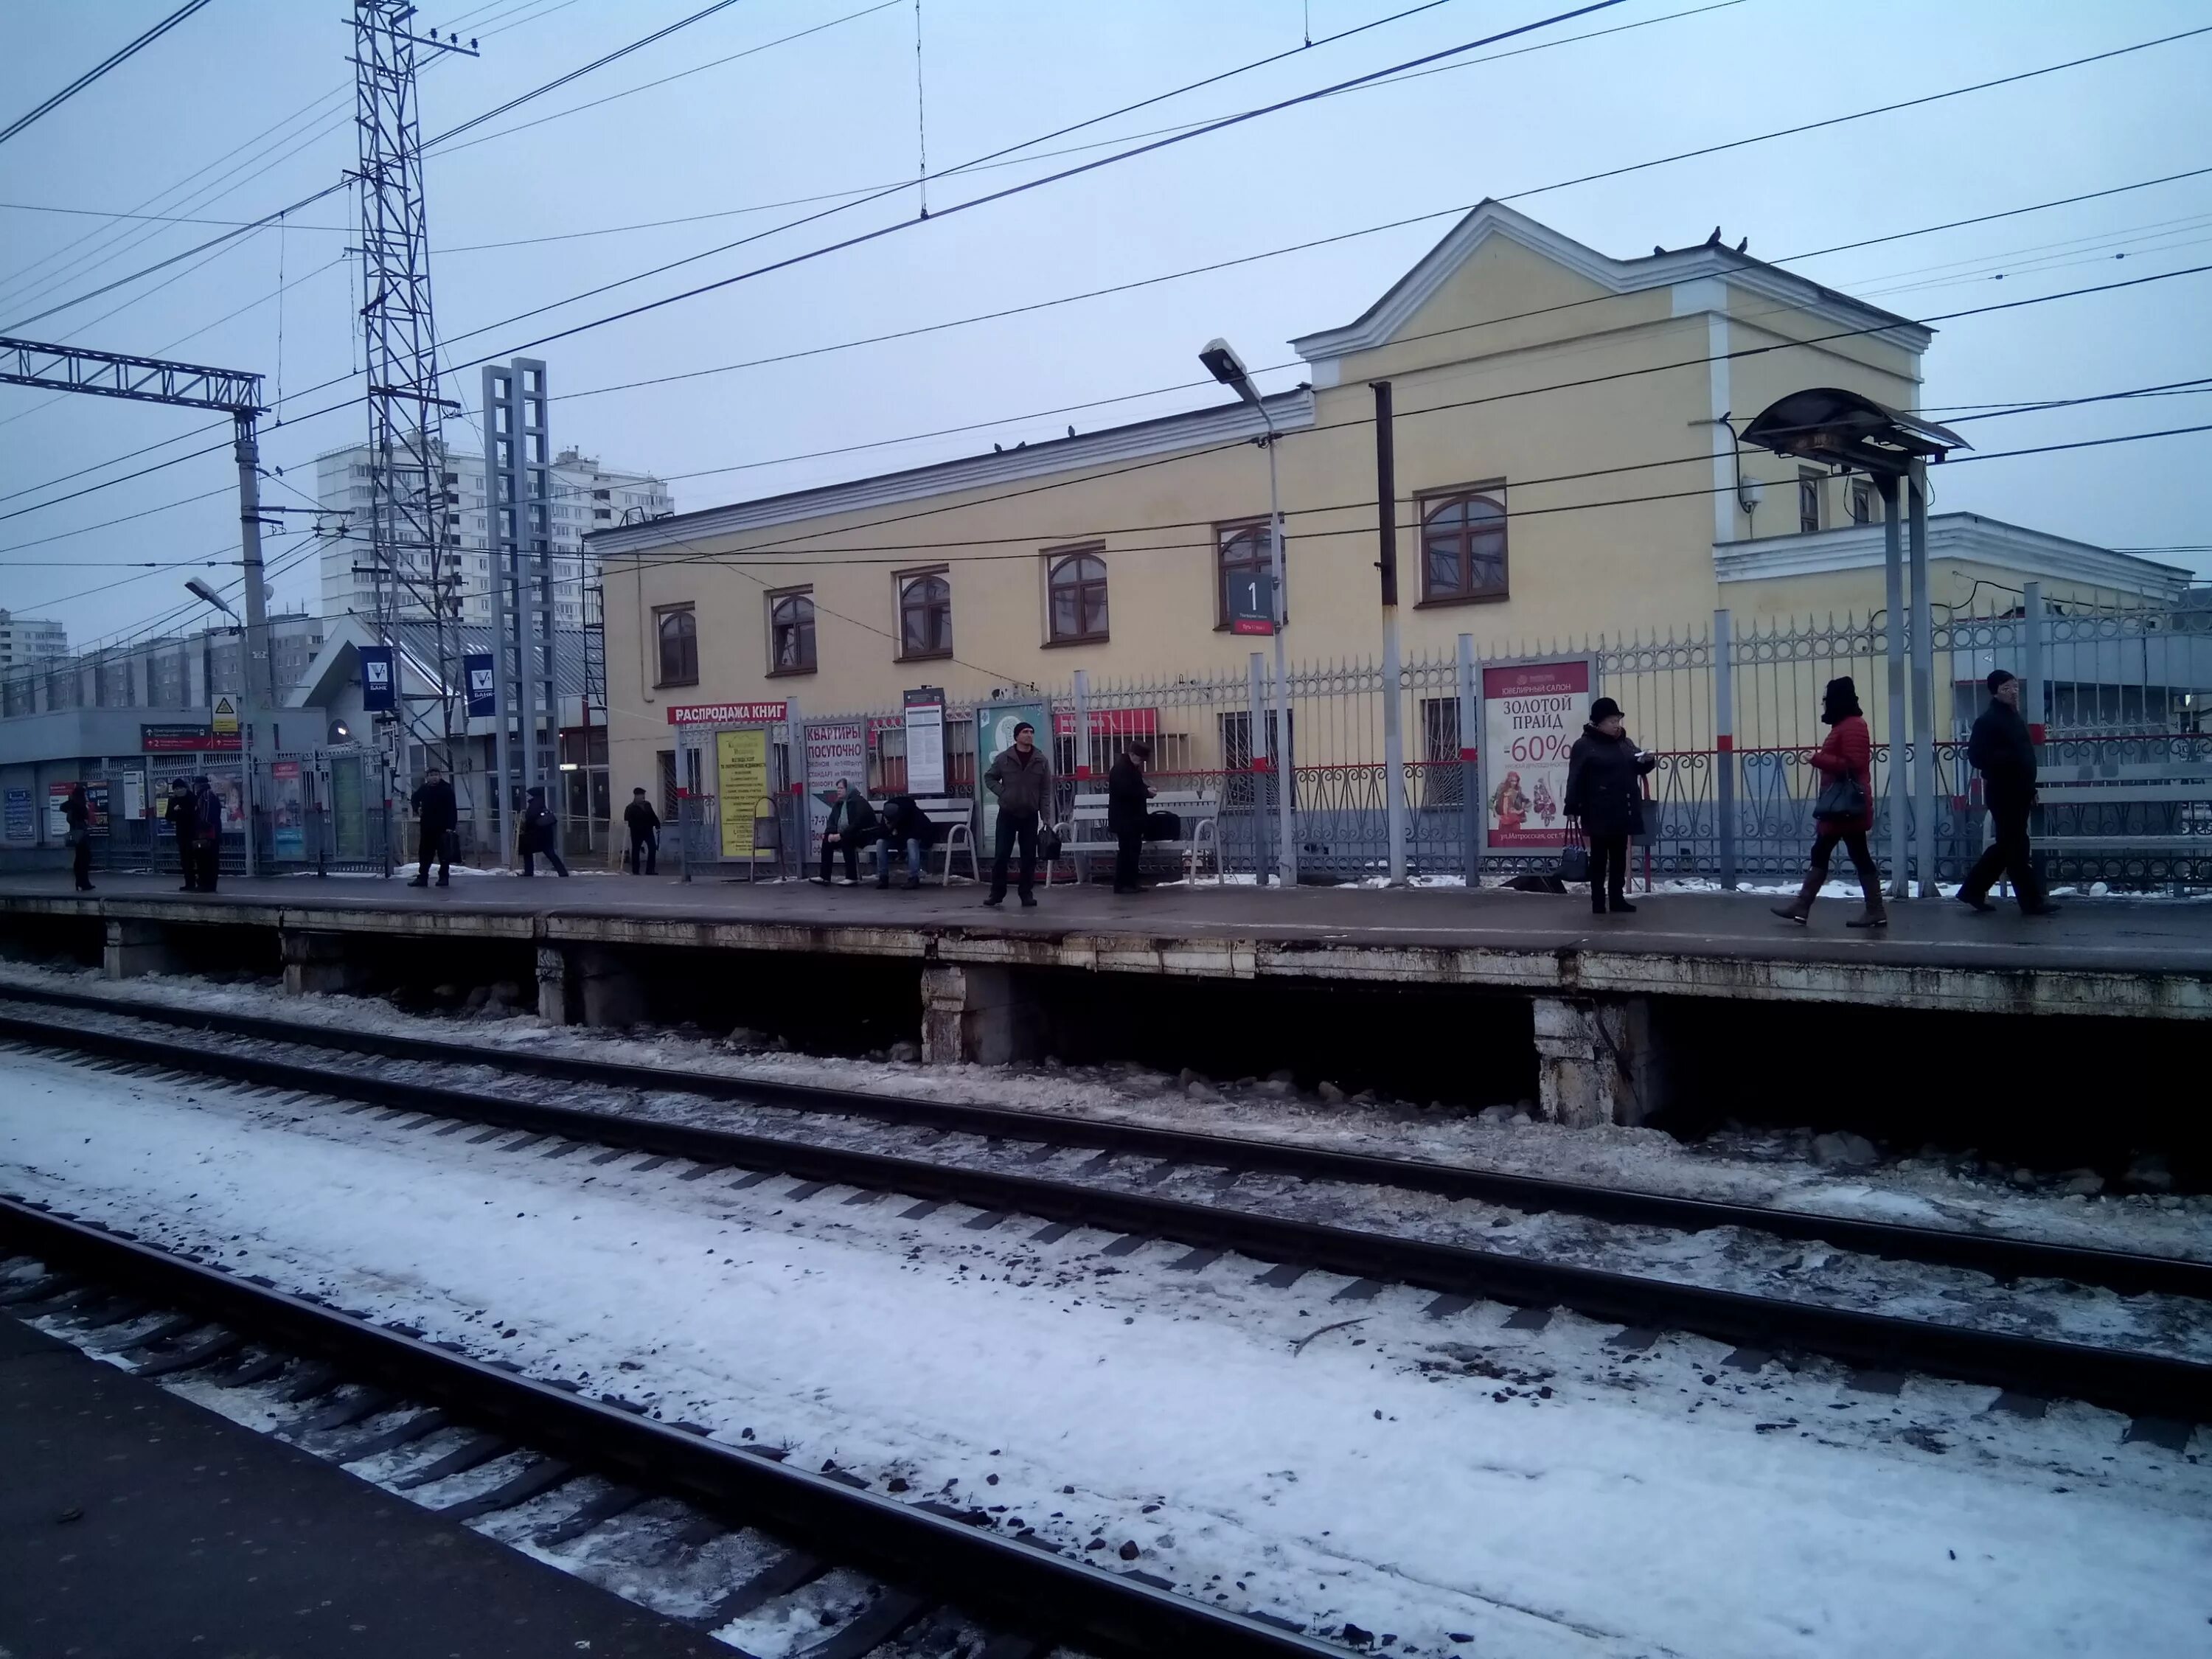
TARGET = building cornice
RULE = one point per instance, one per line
(1390, 314)
(1290, 411)
(1950, 536)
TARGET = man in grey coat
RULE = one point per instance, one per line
(1021, 777)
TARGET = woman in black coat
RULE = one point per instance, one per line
(77, 813)
(1605, 791)
(1127, 795)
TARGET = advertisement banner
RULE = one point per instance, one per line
(57, 820)
(230, 789)
(380, 690)
(288, 820)
(15, 824)
(1531, 712)
(727, 714)
(99, 795)
(995, 732)
(837, 750)
(742, 788)
(477, 674)
(134, 794)
(925, 741)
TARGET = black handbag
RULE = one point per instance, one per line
(1163, 826)
(1049, 843)
(1842, 797)
(1574, 857)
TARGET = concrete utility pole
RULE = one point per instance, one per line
(1394, 734)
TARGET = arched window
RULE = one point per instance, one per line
(1075, 589)
(1246, 569)
(925, 616)
(791, 632)
(1463, 546)
(677, 626)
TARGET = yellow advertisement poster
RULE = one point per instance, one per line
(741, 785)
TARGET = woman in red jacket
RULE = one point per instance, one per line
(1846, 757)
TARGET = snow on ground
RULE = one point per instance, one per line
(1930, 1189)
(1549, 1492)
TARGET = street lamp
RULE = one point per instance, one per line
(1222, 362)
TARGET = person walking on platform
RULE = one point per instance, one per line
(644, 826)
(852, 826)
(178, 815)
(906, 829)
(1844, 811)
(207, 833)
(1021, 777)
(437, 816)
(77, 813)
(1127, 791)
(1605, 794)
(2003, 752)
(541, 833)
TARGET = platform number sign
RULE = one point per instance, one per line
(1251, 599)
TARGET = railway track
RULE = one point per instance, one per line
(935, 1581)
(2002, 1258)
(2144, 1385)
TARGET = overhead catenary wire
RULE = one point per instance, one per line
(121, 55)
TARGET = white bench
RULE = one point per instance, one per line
(952, 819)
(2133, 785)
(1085, 831)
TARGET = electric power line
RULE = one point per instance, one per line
(98, 69)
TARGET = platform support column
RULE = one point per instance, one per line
(613, 991)
(317, 964)
(552, 985)
(1595, 1060)
(980, 1014)
(133, 948)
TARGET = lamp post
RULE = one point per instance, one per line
(1222, 362)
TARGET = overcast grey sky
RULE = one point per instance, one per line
(836, 112)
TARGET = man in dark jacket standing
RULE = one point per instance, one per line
(644, 826)
(1021, 777)
(2003, 750)
(437, 815)
(541, 834)
(852, 826)
(179, 814)
(1605, 791)
(207, 834)
(1127, 791)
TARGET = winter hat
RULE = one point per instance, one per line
(1999, 678)
(1604, 708)
(1024, 727)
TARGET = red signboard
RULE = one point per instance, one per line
(726, 713)
(1110, 722)
(184, 740)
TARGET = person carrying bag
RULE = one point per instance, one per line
(1843, 810)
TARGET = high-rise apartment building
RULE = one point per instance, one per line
(22, 640)
(587, 495)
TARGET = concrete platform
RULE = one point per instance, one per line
(1591, 983)
(134, 1523)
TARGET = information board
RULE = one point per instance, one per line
(1531, 712)
(925, 741)
(16, 825)
(741, 787)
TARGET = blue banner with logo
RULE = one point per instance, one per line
(379, 688)
(476, 671)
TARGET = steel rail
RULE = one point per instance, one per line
(1028, 1587)
(2002, 1257)
(2141, 1384)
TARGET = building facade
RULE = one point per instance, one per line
(24, 641)
(1565, 467)
(587, 496)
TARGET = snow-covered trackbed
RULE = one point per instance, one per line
(1639, 1278)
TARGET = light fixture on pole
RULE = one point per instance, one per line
(206, 595)
(1835, 427)
(1222, 362)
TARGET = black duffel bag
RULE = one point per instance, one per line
(1163, 826)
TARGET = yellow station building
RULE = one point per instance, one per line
(1565, 468)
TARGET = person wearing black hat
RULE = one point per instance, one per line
(1021, 777)
(1843, 810)
(2003, 750)
(1604, 793)
(437, 815)
(541, 833)
(180, 814)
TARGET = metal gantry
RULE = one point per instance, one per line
(189, 385)
(518, 532)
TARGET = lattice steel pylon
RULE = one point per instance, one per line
(413, 572)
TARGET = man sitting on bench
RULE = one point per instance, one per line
(852, 826)
(905, 825)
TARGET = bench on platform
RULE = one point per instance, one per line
(953, 832)
(1085, 833)
(2121, 787)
